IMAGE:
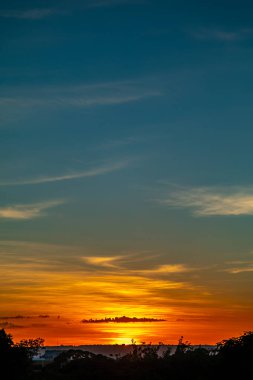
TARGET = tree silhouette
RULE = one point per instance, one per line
(232, 358)
(30, 346)
(16, 359)
(182, 346)
(235, 355)
(6, 342)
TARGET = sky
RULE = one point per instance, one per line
(126, 183)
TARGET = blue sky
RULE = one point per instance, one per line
(126, 126)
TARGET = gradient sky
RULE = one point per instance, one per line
(126, 183)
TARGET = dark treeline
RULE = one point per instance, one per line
(231, 359)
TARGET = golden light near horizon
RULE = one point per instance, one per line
(55, 301)
(128, 332)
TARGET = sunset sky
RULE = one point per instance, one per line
(126, 169)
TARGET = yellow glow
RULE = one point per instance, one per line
(101, 260)
(36, 285)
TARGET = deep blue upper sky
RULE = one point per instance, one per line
(135, 101)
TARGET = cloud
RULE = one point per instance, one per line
(82, 96)
(124, 264)
(79, 101)
(27, 211)
(222, 35)
(236, 267)
(24, 317)
(20, 102)
(30, 14)
(122, 320)
(211, 202)
(102, 261)
(67, 177)
(73, 281)
(42, 13)
(39, 279)
(168, 269)
(9, 325)
(14, 317)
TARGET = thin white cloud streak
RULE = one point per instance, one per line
(27, 211)
(42, 13)
(211, 202)
(222, 35)
(83, 96)
(30, 14)
(78, 101)
(67, 177)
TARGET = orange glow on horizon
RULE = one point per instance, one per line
(63, 332)
(52, 297)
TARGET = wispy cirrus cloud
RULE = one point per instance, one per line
(102, 261)
(223, 35)
(169, 269)
(81, 101)
(212, 201)
(108, 283)
(30, 14)
(86, 95)
(18, 102)
(93, 172)
(27, 211)
(239, 266)
(122, 263)
(42, 13)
